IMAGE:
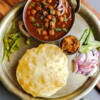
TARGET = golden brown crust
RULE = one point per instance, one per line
(70, 44)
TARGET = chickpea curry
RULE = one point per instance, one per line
(48, 20)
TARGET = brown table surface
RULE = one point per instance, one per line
(6, 5)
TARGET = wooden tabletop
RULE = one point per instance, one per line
(6, 5)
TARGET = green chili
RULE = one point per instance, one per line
(11, 43)
(84, 36)
(88, 37)
(58, 29)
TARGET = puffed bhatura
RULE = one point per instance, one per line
(42, 71)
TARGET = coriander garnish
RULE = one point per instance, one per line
(54, 20)
(65, 18)
(42, 27)
(41, 17)
(84, 36)
(58, 29)
(32, 5)
(50, 11)
(39, 32)
(64, 29)
(44, 3)
(36, 24)
(33, 20)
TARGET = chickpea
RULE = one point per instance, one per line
(46, 37)
(49, 17)
(38, 8)
(59, 23)
(43, 1)
(45, 13)
(51, 32)
(28, 13)
(46, 20)
(44, 32)
(65, 15)
(52, 24)
(61, 18)
(38, 29)
(49, 1)
(46, 24)
(56, 36)
(33, 11)
(50, 7)
(29, 7)
(30, 18)
(46, 6)
(63, 25)
(58, 13)
(53, 12)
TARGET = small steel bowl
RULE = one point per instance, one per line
(73, 10)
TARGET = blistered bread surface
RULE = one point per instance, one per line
(42, 71)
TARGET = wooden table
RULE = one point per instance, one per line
(6, 5)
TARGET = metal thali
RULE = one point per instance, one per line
(77, 85)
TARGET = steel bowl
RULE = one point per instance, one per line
(74, 10)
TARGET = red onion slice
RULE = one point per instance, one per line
(86, 63)
(61, 7)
